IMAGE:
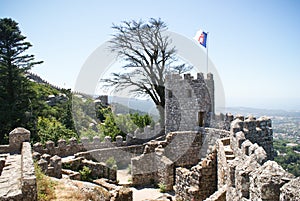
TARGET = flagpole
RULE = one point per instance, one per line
(207, 53)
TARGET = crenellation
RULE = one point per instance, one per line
(143, 135)
(119, 141)
(64, 149)
(62, 143)
(256, 130)
(50, 146)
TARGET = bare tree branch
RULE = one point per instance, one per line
(149, 56)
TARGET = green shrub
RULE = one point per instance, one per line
(86, 174)
(66, 166)
(162, 187)
(111, 163)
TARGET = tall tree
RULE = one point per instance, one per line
(149, 56)
(15, 103)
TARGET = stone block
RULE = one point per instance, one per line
(266, 181)
(62, 144)
(55, 162)
(73, 142)
(38, 147)
(290, 191)
(43, 165)
(36, 156)
(119, 140)
(17, 137)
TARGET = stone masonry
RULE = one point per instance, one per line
(188, 102)
(17, 178)
(242, 172)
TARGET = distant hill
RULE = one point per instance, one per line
(261, 112)
(146, 106)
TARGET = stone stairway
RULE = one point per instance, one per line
(10, 179)
(229, 153)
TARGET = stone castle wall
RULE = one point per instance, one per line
(94, 150)
(199, 182)
(242, 171)
(64, 149)
(141, 136)
(179, 149)
(17, 175)
(188, 102)
(256, 131)
(29, 188)
(122, 155)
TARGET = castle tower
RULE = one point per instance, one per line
(188, 102)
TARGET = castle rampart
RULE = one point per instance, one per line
(242, 169)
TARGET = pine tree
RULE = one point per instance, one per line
(15, 92)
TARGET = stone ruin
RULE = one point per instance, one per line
(203, 156)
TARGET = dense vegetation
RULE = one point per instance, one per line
(287, 156)
(15, 90)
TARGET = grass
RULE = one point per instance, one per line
(45, 187)
(162, 187)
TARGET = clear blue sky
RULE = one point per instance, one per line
(254, 44)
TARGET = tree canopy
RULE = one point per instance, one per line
(149, 55)
(15, 92)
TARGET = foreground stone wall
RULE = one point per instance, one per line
(156, 164)
(98, 170)
(248, 175)
(243, 171)
(29, 188)
(116, 193)
(199, 182)
(179, 149)
(152, 169)
(17, 178)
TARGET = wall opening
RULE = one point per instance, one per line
(170, 94)
(201, 119)
(189, 93)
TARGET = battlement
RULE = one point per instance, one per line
(188, 77)
(251, 123)
(64, 149)
(145, 134)
(256, 131)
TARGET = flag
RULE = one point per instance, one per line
(201, 37)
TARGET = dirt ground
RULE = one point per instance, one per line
(69, 190)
